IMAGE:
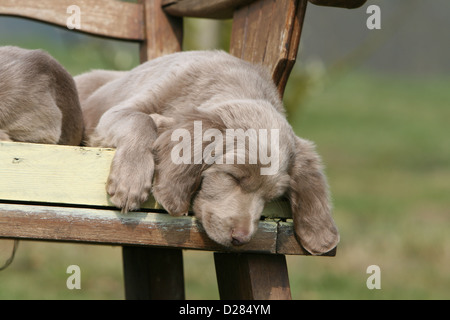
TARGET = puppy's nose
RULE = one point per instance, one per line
(239, 238)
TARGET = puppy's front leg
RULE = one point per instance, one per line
(132, 133)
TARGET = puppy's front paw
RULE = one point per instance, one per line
(130, 179)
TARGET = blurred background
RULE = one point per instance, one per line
(377, 104)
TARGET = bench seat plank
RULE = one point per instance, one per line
(70, 175)
(55, 174)
(51, 192)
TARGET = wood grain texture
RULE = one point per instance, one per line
(163, 33)
(101, 226)
(153, 273)
(212, 9)
(107, 18)
(349, 4)
(252, 276)
(55, 174)
(268, 32)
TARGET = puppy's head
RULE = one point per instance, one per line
(231, 199)
(228, 182)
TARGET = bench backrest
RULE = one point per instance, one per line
(264, 31)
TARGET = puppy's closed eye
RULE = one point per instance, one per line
(233, 177)
(243, 181)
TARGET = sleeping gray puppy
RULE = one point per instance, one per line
(207, 128)
(38, 99)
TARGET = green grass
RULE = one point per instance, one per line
(386, 147)
(385, 143)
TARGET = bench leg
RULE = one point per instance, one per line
(153, 273)
(252, 276)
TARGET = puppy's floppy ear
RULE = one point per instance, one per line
(310, 201)
(175, 182)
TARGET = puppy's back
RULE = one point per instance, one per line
(38, 98)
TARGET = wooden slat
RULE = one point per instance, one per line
(101, 226)
(252, 276)
(349, 4)
(213, 9)
(163, 33)
(153, 273)
(55, 174)
(107, 18)
(268, 32)
(69, 175)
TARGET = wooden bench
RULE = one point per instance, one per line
(57, 193)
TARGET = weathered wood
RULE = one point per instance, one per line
(286, 241)
(153, 274)
(268, 32)
(101, 226)
(163, 33)
(69, 175)
(212, 9)
(107, 18)
(55, 174)
(252, 276)
(349, 4)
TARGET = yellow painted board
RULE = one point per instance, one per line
(55, 174)
(68, 175)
